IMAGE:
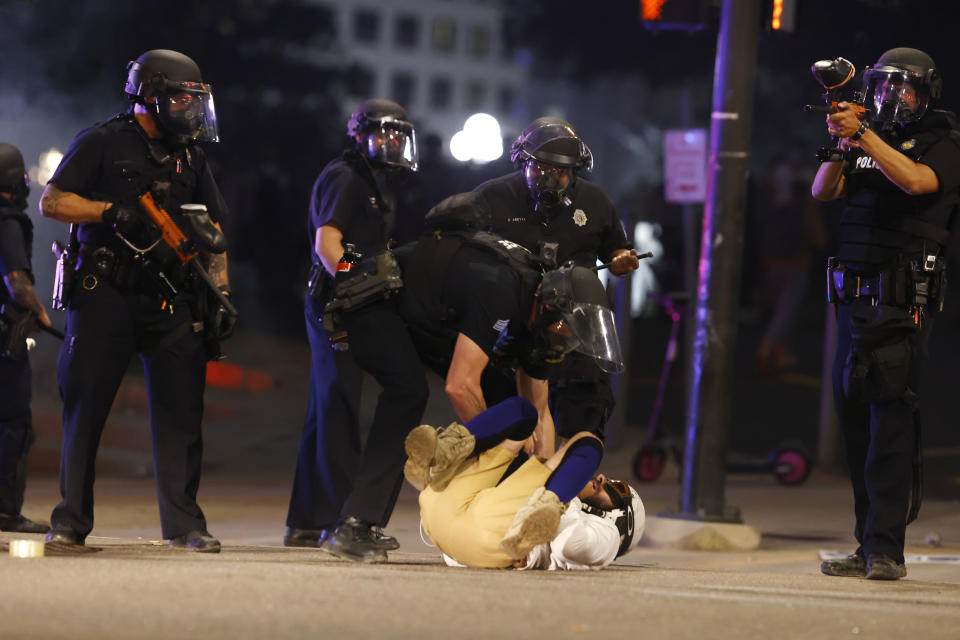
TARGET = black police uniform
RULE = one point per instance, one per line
(881, 348)
(16, 426)
(468, 288)
(115, 310)
(334, 477)
(344, 194)
(587, 229)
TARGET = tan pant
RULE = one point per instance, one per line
(469, 518)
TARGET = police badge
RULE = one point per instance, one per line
(579, 217)
(908, 144)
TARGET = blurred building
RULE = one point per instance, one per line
(442, 59)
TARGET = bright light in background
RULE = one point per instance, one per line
(480, 140)
(49, 161)
(646, 237)
(775, 21)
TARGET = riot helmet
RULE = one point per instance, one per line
(183, 108)
(548, 152)
(13, 172)
(627, 514)
(573, 313)
(384, 135)
(900, 85)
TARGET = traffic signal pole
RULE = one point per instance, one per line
(721, 246)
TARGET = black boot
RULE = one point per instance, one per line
(199, 541)
(64, 537)
(353, 539)
(387, 543)
(304, 537)
(20, 524)
(853, 566)
(881, 567)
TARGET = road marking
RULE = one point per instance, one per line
(799, 597)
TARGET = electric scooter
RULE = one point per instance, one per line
(789, 462)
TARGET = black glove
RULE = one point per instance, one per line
(223, 323)
(120, 216)
(130, 223)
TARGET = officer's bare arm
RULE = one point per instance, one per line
(543, 441)
(830, 183)
(328, 244)
(21, 290)
(463, 378)
(69, 207)
(218, 266)
(914, 178)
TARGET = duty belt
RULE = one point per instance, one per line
(887, 286)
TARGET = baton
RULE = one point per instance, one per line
(606, 265)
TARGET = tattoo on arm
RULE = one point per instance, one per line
(49, 202)
(20, 287)
(218, 269)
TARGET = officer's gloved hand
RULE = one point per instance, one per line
(224, 322)
(128, 221)
(121, 216)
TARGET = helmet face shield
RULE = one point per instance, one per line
(596, 333)
(896, 95)
(546, 182)
(186, 110)
(390, 142)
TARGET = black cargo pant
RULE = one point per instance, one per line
(330, 445)
(105, 328)
(880, 354)
(16, 432)
(382, 347)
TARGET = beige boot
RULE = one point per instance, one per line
(535, 523)
(421, 445)
(433, 458)
(454, 445)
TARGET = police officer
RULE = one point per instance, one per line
(16, 430)
(131, 293)
(473, 299)
(898, 170)
(341, 492)
(547, 208)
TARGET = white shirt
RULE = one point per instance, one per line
(583, 541)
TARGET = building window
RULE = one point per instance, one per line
(440, 93)
(444, 34)
(366, 26)
(360, 81)
(476, 94)
(406, 31)
(506, 99)
(402, 88)
(478, 41)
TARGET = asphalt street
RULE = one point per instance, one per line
(135, 587)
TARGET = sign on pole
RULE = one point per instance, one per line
(685, 165)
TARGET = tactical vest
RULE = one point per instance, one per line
(425, 269)
(11, 212)
(881, 222)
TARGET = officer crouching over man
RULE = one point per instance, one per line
(469, 300)
(898, 170)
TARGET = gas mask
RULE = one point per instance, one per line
(547, 184)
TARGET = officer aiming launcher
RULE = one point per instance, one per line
(832, 76)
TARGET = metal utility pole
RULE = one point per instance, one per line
(721, 244)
